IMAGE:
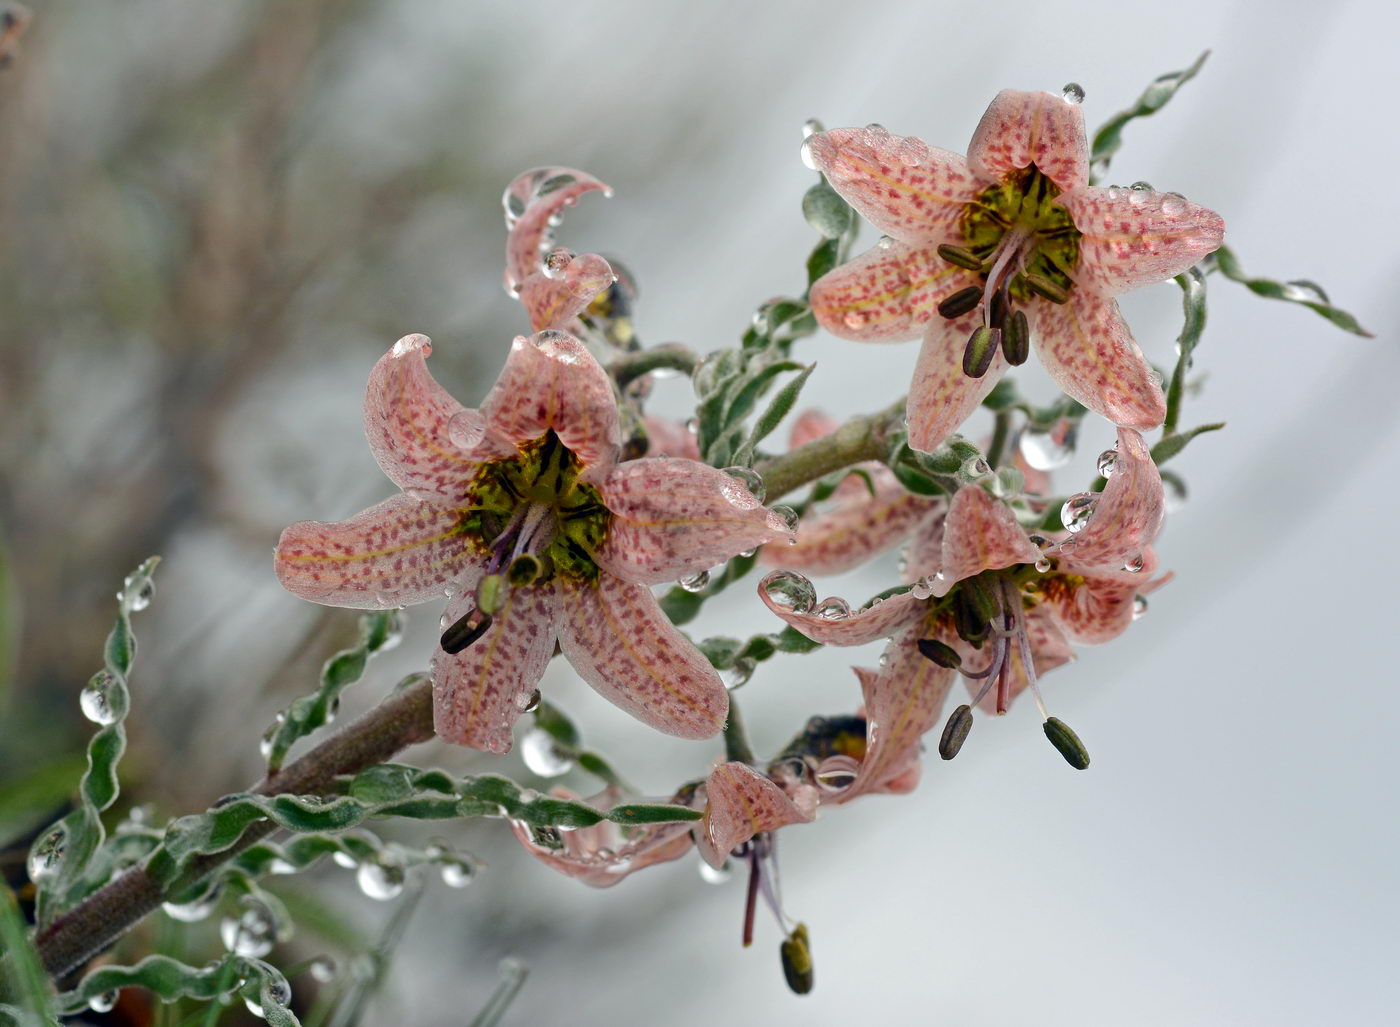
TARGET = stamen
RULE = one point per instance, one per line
(940, 653)
(960, 257)
(1067, 742)
(981, 347)
(961, 302)
(1042, 286)
(465, 631)
(955, 732)
(992, 673)
(490, 592)
(796, 952)
(524, 570)
(1008, 249)
(1016, 339)
(751, 898)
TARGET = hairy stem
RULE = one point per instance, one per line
(858, 440)
(670, 357)
(1001, 433)
(74, 937)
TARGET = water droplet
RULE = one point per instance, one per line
(1073, 93)
(884, 242)
(1107, 463)
(884, 660)
(412, 344)
(466, 429)
(836, 779)
(543, 754)
(975, 467)
(747, 490)
(252, 934)
(139, 599)
(103, 1003)
(270, 736)
(716, 875)
(807, 157)
(1077, 510)
(1173, 204)
(695, 582)
(344, 859)
(100, 698)
(46, 855)
(811, 127)
(548, 838)
(787, 515)
(557, 261)
(749, 552)
(738, 675)
(528, 702)
(1135, 564)
(457, 873)
(692, 425)
(1039, 541)
(322, 969)
(1048, 450)
(1302, 290)
(789, 591)
(1139, 606)
(834, 608)
(1043, 565)
(854, 319)
(1141, 187)
(923, 588)
(877, 128)
(382, 878)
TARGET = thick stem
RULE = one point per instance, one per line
(76, 936)
(736, 739)
(670, 357)
(1001, 431)
(858, 440)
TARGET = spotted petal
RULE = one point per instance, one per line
(851, 533)
(553, 302)
(887, 294)
(878, 621)
(670, 438)
(941, 396)
(1128, 515)
(981, 534)
(407, 418)
(671, 518)
(924, 557)
(1088, 350)
(901, 185)
(397, 553)
(1135, 237)
(742, 803)
(1097, 606)
(1023, 128)
(620, 642)
(533, 200)
(551, 381)
(479, 692)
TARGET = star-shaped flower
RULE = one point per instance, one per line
(992, 602)
(521, 513)
(1011, 245)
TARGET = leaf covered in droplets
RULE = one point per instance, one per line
(169, 979)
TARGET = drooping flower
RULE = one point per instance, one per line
(521, 512)
(1011, 245)
(996, 604)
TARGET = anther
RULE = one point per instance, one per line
(465, 631)
(796, 951)
(955, 732)
(525, 569)
(960, 257)
(981, 347)
(1016, 339)
(961, 302)
(940, 653)
(1042, 286)
(489, 593)
(1065, 740)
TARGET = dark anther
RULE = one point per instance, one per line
(955, 732)
(940, 653)
(1016, 339)
(960, 302)
(465, 631)
(1042, 286)
(969, 626)
(960, 257)
(797, 960)
(998, 309)
(1062, 738)
(525, 569)
(981, 347)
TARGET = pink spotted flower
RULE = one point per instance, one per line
(1009, 245)
(999, 606)
(521, 513)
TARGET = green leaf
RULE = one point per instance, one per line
(826, 211)
(823, 258)
(1109, 138)
(21, 971)
(1300, 291)
(169, 979)
(1171, 445)
(778, 408)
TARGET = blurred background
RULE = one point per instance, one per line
(214, 218)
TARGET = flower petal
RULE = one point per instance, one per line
(941, 396)
(981, 534)
(809, 426)
(671, 518)
(532, 200)
(851, 533)
(1022, 128)
(1135, 237)
(861, 626)
(620, 642)
(407, 418)
(479, 692)
(670, 438)
(742, 803)
(902, 703)
(1097, 606)
(901, 185)
(924, 557)
(552, 382)
(887, 294)
(1088, 350)
(553, 302)
(397, 553)
(1128, 514)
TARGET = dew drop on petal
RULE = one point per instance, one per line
(790, 591)
(98, 699)
(411, 344)
(1042, 565)
(853, 319)
(716, 875)
(1141, 187)
(557, 261)
(1048, 450)
(103, 1003)
(923, 588)
(382, 878)
(1077, 510)
(807, 157)
(1173, 204)
(528, 702)
(466, 429)
(46, 855)
(787, 515)
(1107, 463)
(746, 491)
(1073, 92)
(695, 582)
(543, 754)
(1134, 565)
(834, 608)
(877, 128)
(1039, 541)
(884, 242)
(1139, 606)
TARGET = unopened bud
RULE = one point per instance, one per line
(797, 960)
(1064, 739)
(955, 732)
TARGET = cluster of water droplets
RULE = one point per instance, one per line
(145, 590)
(543, 754)
(531, 187)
